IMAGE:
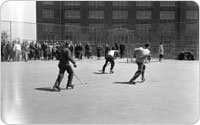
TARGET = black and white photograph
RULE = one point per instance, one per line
(99, 62)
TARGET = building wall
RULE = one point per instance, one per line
(172, 22)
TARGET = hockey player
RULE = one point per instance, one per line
(141, 54)
(65, 58)
(110, 58)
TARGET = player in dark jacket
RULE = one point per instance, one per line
(65, 58)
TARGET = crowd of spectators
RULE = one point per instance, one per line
(24, 51)
(49, 50)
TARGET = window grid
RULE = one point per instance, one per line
(96, 3)
(167, 15)
(168, 4)
(120, 3)
(97, 14)
(143, 14)
(72, 3)
(191, 15)
(143, 3)
(48, 3)
(72, 14)
(120, 14)
(191, 4)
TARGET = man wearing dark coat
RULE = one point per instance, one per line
(64, 65)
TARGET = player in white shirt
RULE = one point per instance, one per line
(141, 54)
(110, 58)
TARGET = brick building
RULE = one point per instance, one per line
(176, 23)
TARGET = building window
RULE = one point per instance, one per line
(143, 3)
(72, 3)
(97, 14)
(120, 3)
(120, 14)
(72, 14)
(48, 13)
(143, 14)
(48, 3)
(192, 15)
(96, 3)
(167, 15)
(191, 4)
(168, 4)
(167, 29)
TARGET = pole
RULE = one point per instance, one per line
(61, 34)
(10, 31)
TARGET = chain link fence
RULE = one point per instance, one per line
(130, 36)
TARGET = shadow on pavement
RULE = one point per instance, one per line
(45, 89)
(127, 82)
(123, 83)
(100, 73)
(127, 62)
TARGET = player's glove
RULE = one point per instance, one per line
(75, 65)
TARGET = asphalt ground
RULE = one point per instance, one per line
(170, 94)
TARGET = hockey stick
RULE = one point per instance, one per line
(79, 79)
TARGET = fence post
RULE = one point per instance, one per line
(10, 31)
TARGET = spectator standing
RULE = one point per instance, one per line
(25, 50)
(88, 52)
(17, 50)
(122, 49)
(44, 49)
(71, 48)
(106, 50)
(99, 48)
(80, 51)
(161, 52)
(8, 51)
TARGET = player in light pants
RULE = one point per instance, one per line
(141, 54)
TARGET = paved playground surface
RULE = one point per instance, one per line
(170, 93)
